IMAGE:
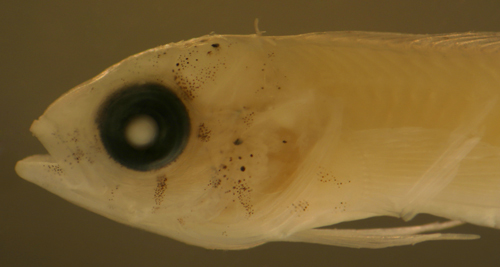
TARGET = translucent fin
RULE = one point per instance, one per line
(484, 41)
(438, 176)
(473, 195)
(379, 238)
(445, 168)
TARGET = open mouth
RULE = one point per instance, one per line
(40, 169)
(46, 170)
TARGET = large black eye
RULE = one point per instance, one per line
(143, 127)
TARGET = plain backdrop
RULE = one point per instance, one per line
(48, 47)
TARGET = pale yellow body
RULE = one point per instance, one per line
(296, 132)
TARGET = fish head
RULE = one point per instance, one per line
(222, 134)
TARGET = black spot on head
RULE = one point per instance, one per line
(215, 45)
(238, 142)
(242, 168)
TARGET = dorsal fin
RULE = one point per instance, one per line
(481, 41)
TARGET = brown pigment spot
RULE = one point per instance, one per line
(161, 187)
(204, 133)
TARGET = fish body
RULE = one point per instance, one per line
(287, 134)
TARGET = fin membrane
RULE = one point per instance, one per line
(379, 238)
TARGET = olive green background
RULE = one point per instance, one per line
(48, 47)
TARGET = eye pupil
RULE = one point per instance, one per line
(141, 131)
(143, 127)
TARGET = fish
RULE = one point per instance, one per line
(232, 141)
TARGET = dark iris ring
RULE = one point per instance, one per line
(153, 100)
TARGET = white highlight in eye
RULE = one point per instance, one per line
(141, 131)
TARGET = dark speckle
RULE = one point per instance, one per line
(215, 45)
(216, 183)
(242, 168)
(55, 168)
(204, 133)
(238, 142)
(160, 188)
(284, 142)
